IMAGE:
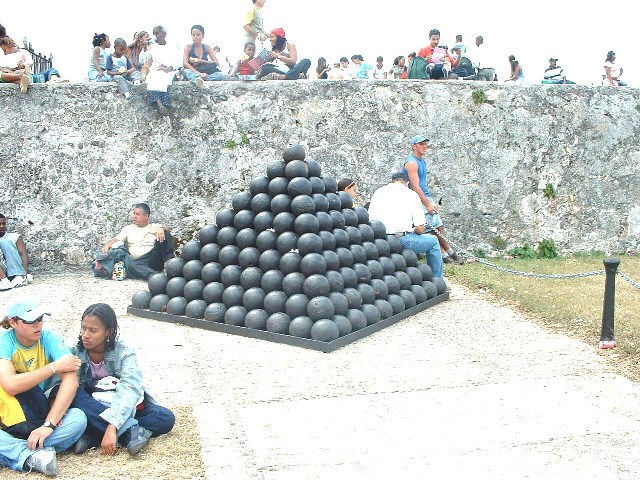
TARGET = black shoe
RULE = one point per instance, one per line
(84, 443)
(139, 439)
(456, 258)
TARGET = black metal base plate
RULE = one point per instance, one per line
(288, 339)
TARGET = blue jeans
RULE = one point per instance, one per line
(294, 72)
(425, 244)
(191, 76)
(14, 451)
(11, 257)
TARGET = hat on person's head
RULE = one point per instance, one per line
(553, 59)
(401, 175)
(418, 139)
(279, 32)
(27, 310)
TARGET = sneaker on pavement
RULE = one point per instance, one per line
(5, 284)
(199, 82)
(448, 259)
(43, 460)
(84, 443)
(456, 258)
(29, 278)
(139, 439)
(18, 281)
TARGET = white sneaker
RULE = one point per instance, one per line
(199, 82)
(18, 281)
(5, 284)
(29, 278)
(43, 460)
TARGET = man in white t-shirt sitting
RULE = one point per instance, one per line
(400, 209)
(148, 244)
(13, 259)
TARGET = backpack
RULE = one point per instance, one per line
(418, 69)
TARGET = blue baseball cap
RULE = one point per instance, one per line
(418, 139)
(27, 310)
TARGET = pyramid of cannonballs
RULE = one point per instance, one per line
(292, 256)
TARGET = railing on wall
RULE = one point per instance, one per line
(40, 62)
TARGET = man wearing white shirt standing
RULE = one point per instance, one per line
(400, 209)
(483, 62)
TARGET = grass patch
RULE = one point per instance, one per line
(573, 305)
(479, 97)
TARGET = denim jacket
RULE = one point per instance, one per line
(121, 363)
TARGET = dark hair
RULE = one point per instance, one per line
(610, 55)
(379, 59)
(98, 39)
(358, 57)
(2, 216)
(3, 31)
(119, 41)
(479, 37)
(159, 27)
(344, 183)
(198, 27)
(108, 318)
(144, 207)
(247, 44)
(396, 61)
(7, 41)
(344, 59)
(412, 55)
(137, 36)
(512, 58)
(434, 31)
(458, 37)
(322, 63)
(281, 42)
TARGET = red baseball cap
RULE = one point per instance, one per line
(279, 32)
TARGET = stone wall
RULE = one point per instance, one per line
(74, 158)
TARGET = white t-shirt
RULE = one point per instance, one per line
(398, 207)
(139, 240)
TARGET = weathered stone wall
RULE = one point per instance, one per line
(74, 158)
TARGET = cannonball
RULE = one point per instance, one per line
(324, 221)
(399, 261)
(296, 168)
(309, 243)
(212, 292)
(349, 276)
(403, 279)
(350, 217)
(192, 269)
(345, 199)
(319, 308)
(215, 312)
(275, 302)
(385, 308)
(387, 265)
(370, 250)
(393, 285)
(191, 250)
(253, 298)
(256, 318)
(278, 186)
(375, 267)
(371, 312)
(355, 237)
(313, 263)
(332, 260)
(241, 201)
(266, 240)
(317, 185)
(345, 256)
(208, 234)
(336, 282)
(173, 267)
(263, 221)
(259, 185)
(328, 240)
(408, 297)
(177, 306)
(359, 255)
(175, 287)
(269, 260)
(260, 203)
(209, 253)
(278, 322)
(367, 293)
(158, 302)
(235, 316)
(330, 184)
(228, 255)
(397, 304)
(296, 305)
(410, 257)
(211, 272)
(302, 204)
(230, 275)
(415, 275)
(227, 236)
(341, 236)
(430, 288)
(363, 216)
(157, 283)
(383, 247)
(224, 217)
(380, 288)
(280, 203)
(321, 202)
(271, 280)
(290, 262)
(362, 271)
(193, 289)
(293, 283)
(440, 284)
(354, 299)
(299, 186)
(343, 323)
(314, 168)
(340, 303)
(379, 229)
(141, 299)
(394, 244)
(275, 169)
(367, 234)
(337, 220)
(316, 286)
(334, 201)
(251, 277)
(286, 242)
(243, 219)
(248, 257)
(293, 151)
(232, 295)
(195, 308)
(301, 327)
(419, 293)
(426, 271)
(283, 222)
(306, 223)
(357, 318)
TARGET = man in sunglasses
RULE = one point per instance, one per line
(35, 418)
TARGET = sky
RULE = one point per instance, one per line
(571, 31)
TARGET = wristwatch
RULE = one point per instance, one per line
(47, 423)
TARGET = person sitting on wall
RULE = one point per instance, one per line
(438, 59)
(283, 54)
(555, 74)
(199, 60)
(16, 64)
(14, 269)
(147, 245)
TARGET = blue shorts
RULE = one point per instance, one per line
(434, 219)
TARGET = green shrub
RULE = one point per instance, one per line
(479, 97)
(245, 138)
(525, 251)
(547, 249)
(499, 242)
(549, 191)
(480, 253)
(230, 144)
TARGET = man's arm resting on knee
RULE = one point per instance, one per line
(14, 383)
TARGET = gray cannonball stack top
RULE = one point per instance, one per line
(292, 256)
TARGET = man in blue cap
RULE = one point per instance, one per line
(35, 424)
(416, 168)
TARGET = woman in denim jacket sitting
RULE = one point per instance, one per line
(111, 394)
